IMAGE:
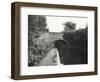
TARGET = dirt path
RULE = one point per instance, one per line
(51, 59)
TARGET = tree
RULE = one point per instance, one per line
(69, 26)
(36, 23)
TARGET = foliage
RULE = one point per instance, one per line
(77, 38)
(39, 50)
(36, 23)
(77, 51)
(69, 26)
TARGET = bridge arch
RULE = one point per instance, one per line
(61, 43)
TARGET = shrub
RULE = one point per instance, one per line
(38, 51)
(77, 38)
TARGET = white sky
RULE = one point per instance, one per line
(55, 23)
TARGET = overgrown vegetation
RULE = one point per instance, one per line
(36, 24)
(78, 47)
(38, 48)
(77, 38)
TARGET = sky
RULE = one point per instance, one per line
(55, 23)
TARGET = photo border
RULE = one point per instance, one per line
(15, 39)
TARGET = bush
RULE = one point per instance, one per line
(77, 38)
(38, 51)
(77, 52)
